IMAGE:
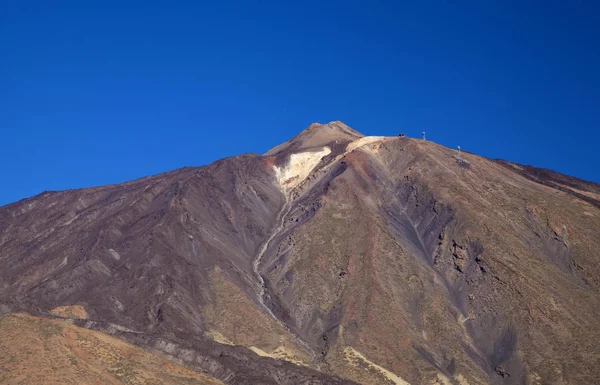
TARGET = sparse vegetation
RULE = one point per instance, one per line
(74, 355)
(75, 311)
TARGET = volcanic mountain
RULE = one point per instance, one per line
(334, 258)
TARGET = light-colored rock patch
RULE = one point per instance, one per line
(281, 353)
(363, 141)
(441, 380)
(62, 264)
(114, 254)
(118, 304)
(218, 337)
(299, 167)
(355, 358)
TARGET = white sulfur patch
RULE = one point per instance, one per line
(299, 167)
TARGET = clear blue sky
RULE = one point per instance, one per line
(98, 92)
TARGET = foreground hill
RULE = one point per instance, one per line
(332, 258)
(42, 351)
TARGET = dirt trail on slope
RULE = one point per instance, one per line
(285, 210)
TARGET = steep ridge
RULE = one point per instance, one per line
(332, 258)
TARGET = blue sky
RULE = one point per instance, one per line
(94, 93)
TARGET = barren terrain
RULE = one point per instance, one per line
(333, 258)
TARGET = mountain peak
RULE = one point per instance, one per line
(334, 126)
(318, 135)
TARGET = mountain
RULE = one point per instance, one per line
(334, 258)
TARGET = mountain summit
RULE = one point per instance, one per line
(318, 135)
(333, 258)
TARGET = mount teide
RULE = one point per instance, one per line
(333, 258)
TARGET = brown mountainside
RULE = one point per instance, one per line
(332, 258)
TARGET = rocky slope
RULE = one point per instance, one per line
(332, 258)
